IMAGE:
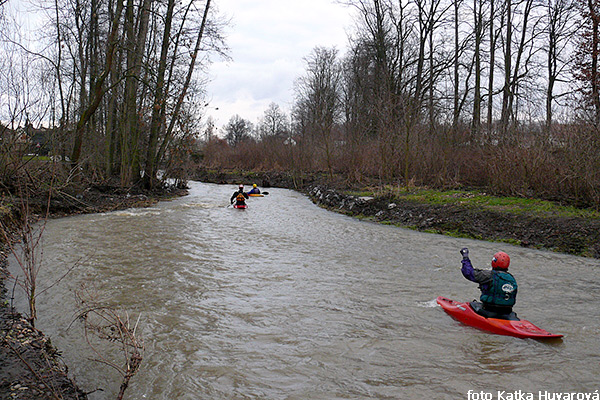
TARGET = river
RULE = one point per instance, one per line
(286, 300)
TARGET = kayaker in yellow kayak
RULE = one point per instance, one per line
(254, 190)
(498, 287)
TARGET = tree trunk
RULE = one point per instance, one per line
(594, 66)
(506, 93)
(153, 157)
(551, 67)
(517, 65)
(490, 105)
(159, 99)
(98, 90)
(455, 114)
(477, 90)
(135, 45)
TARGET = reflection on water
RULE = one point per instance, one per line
(285, 300)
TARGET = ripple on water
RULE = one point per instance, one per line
(289, 301)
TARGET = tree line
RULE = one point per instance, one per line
(502, 94)
(119, 84)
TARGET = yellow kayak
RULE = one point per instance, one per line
(256, 195)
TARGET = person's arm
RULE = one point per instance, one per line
(245, 194)
(467, 270)
(473, 274)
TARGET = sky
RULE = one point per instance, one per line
(268, 41)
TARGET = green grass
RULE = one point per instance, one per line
(478, 199)
(37, 158)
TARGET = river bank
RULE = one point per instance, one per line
(30, 366)
(549, 231)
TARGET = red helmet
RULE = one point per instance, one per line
(501, 260)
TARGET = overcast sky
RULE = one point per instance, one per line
(269, 40)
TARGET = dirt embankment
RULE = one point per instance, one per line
(566, 235)
(30, 367)
(578, 236)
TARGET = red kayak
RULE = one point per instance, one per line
(464, 312)
(241, 206)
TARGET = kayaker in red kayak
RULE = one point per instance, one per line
(239, 197)
(498, 287)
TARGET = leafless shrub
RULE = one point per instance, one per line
(105, 322)
(28, 251)
(563, 166)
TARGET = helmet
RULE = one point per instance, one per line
(254, 185)
(501, 260)
(241, 186)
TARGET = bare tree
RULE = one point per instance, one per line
(274, 123)
(28, 254)
(104, 67)
(518, 68)
(153, 155)
(493, 38)
(506, 93)
(560, 30)
(318, 94)
(135, 46)
(478, 22)
(586, 68)
(237, 130)
(98, 89)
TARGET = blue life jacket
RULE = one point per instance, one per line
(502, 291)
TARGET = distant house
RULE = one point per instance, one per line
(27, 140)
(13, 140)
(39, 140)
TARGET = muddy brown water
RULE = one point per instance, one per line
(286, 300)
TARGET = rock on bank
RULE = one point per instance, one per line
(576, 236)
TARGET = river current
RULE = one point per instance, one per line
(286, 300)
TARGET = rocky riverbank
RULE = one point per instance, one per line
(571, 235)
(577, 236)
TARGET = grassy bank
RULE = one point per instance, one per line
(476, 214)
(481, 200)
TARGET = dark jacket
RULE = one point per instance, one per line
(238, 200)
